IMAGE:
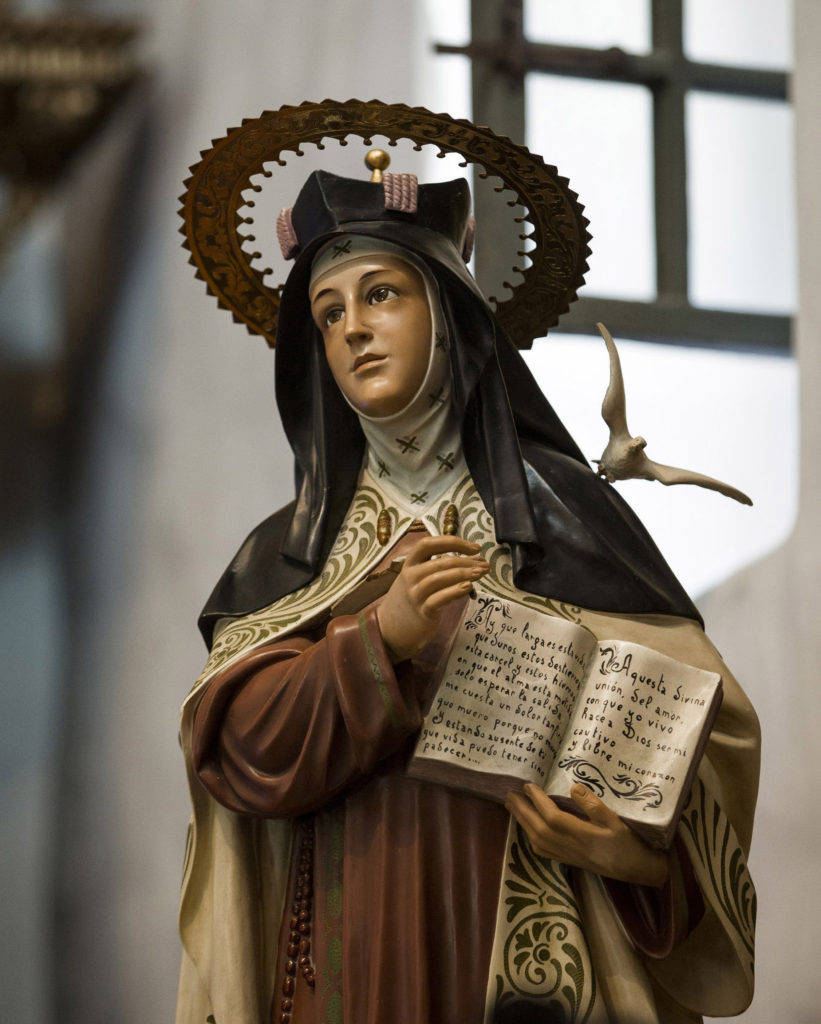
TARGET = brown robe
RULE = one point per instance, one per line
(406, 874)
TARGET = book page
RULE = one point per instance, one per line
(636, 731)
(507, 691)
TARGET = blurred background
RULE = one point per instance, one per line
(140, 440)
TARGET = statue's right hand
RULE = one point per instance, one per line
(437, 571)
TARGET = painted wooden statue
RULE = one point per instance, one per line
(322, 884)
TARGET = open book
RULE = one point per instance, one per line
(527, 697)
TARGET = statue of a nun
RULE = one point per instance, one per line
(322, 883)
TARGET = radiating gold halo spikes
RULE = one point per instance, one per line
(214, 193)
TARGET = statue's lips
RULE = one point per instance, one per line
(363, 362)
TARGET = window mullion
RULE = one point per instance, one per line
(498, 100)
(500, 58)
(670, 158)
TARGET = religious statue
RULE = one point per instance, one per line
(322, 883)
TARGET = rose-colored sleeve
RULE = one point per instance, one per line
(286, 728)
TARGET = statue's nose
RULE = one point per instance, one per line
(355, 327)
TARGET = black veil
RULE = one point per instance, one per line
(572, 537)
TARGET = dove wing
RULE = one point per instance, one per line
(613, 406)
(671, 475)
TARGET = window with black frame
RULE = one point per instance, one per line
(671, 119)
(679, 99)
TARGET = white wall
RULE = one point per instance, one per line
(765, 622)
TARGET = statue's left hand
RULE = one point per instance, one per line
(599, 842)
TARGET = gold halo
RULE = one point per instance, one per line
(214, 193)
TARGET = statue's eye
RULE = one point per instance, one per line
(381, 294)
(333, 316)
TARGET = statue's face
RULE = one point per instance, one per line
(374, 318)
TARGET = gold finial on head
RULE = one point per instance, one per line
(378, 161)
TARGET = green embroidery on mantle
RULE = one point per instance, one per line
(545, 958)
(356, 551)
(721, 867)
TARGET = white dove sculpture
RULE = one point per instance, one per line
(624, 458)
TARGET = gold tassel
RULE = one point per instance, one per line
(383, 527)
(451, 523)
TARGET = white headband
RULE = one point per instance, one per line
(346, 248)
